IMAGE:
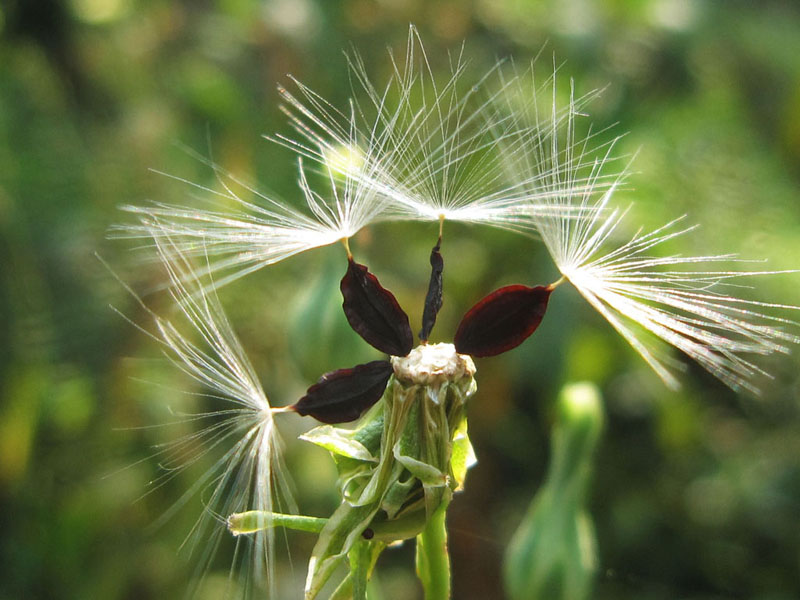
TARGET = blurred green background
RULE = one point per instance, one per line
(696, 494)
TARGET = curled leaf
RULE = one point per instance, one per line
(343, 395)
(373, 312)
(502, 320)
(338, 441)
(433, 300)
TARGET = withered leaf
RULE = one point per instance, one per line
(343, 395)
(502, 320)
(373, 312)
(433, 300)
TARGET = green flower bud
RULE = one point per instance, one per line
(552, 555)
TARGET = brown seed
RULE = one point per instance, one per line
(433, 300)
(373, 312)
(502, 320)
(343, 395)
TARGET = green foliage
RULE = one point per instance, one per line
(696, 493)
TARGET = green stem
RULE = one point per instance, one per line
(384, 531)
(258, 520)
(360, 568)
(433, 559)
(371, 551)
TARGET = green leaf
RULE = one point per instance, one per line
(427, 474)
(338, 441)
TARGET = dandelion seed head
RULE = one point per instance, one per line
(501, 151)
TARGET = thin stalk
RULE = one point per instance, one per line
(433, 559)
(258, 520)
(360, 568)
(363, 557)
(382, 531)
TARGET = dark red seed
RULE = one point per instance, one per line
(433, 301)
(502, 320)
(343, 395)
(373, 312)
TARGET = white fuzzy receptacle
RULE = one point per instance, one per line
(433, 365)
